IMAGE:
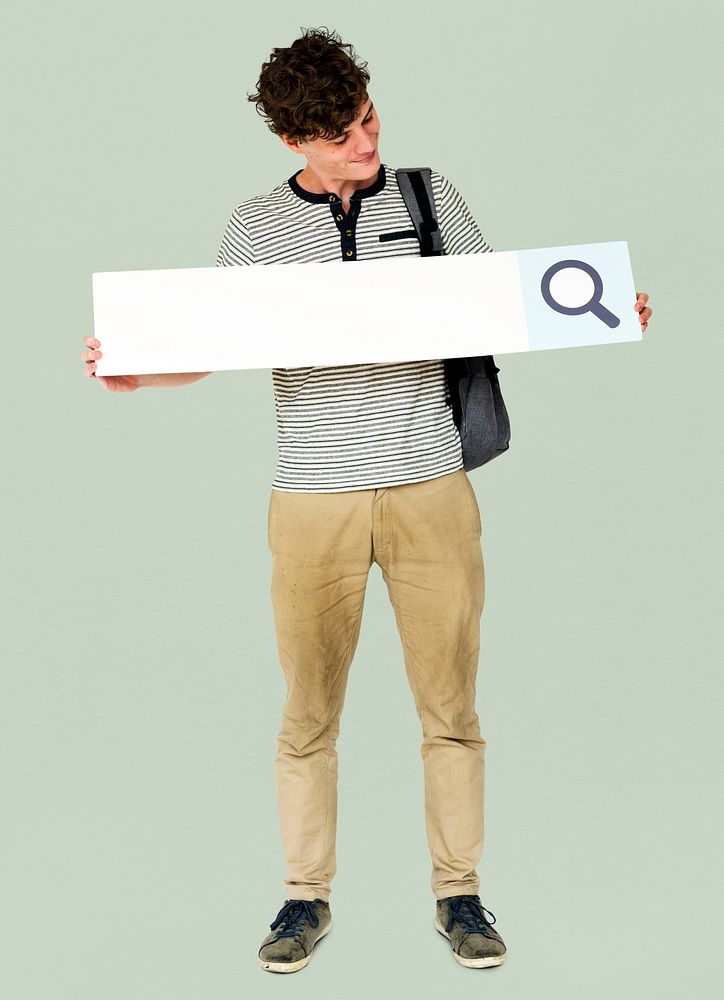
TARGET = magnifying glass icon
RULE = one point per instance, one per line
(593, 304)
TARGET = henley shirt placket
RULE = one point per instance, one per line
(346, 224)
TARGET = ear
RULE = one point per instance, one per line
(293, 144)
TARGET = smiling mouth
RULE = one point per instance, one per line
(367, 159)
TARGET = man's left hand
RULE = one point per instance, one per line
(642, 309)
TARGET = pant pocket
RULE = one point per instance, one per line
(475, 509)
(271, 521)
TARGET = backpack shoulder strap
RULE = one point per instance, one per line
(416, 188)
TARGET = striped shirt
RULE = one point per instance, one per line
(363, 426)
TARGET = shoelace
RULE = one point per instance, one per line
(469, 911)
(292, 917)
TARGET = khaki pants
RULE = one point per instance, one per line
(426, 539)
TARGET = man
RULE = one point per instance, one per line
(370, 470)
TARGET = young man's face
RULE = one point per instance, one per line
(352, 156)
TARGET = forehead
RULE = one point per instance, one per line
(366, 105)
(364, 109)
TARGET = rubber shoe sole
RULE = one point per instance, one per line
(472, 963)
(293, 966)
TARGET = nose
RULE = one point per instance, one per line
(365, 146)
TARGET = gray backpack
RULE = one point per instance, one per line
(473, 388)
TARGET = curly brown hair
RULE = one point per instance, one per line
(313, 89)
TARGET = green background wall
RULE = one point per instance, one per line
(141, 693)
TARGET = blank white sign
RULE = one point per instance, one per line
(390, 309)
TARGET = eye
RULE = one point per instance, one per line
(367, 120)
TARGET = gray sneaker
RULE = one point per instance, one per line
(294, 932)
(461, 919)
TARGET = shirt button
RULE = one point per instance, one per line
(350, 252)
(339, 218)
(331, 197)
(349, 232)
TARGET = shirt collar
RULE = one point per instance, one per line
(324, 198)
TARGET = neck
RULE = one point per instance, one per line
(320, 183)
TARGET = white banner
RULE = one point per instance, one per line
(389, 309)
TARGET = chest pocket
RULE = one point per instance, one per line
(402, 234)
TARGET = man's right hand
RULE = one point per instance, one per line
(114, 383)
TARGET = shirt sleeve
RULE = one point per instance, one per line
(236, 246)
(460, 232)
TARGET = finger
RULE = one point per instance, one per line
(91, 342)
(641, 299)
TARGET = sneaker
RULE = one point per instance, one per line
(461, 919)
(294, 932)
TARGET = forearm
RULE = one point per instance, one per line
(170, 380)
